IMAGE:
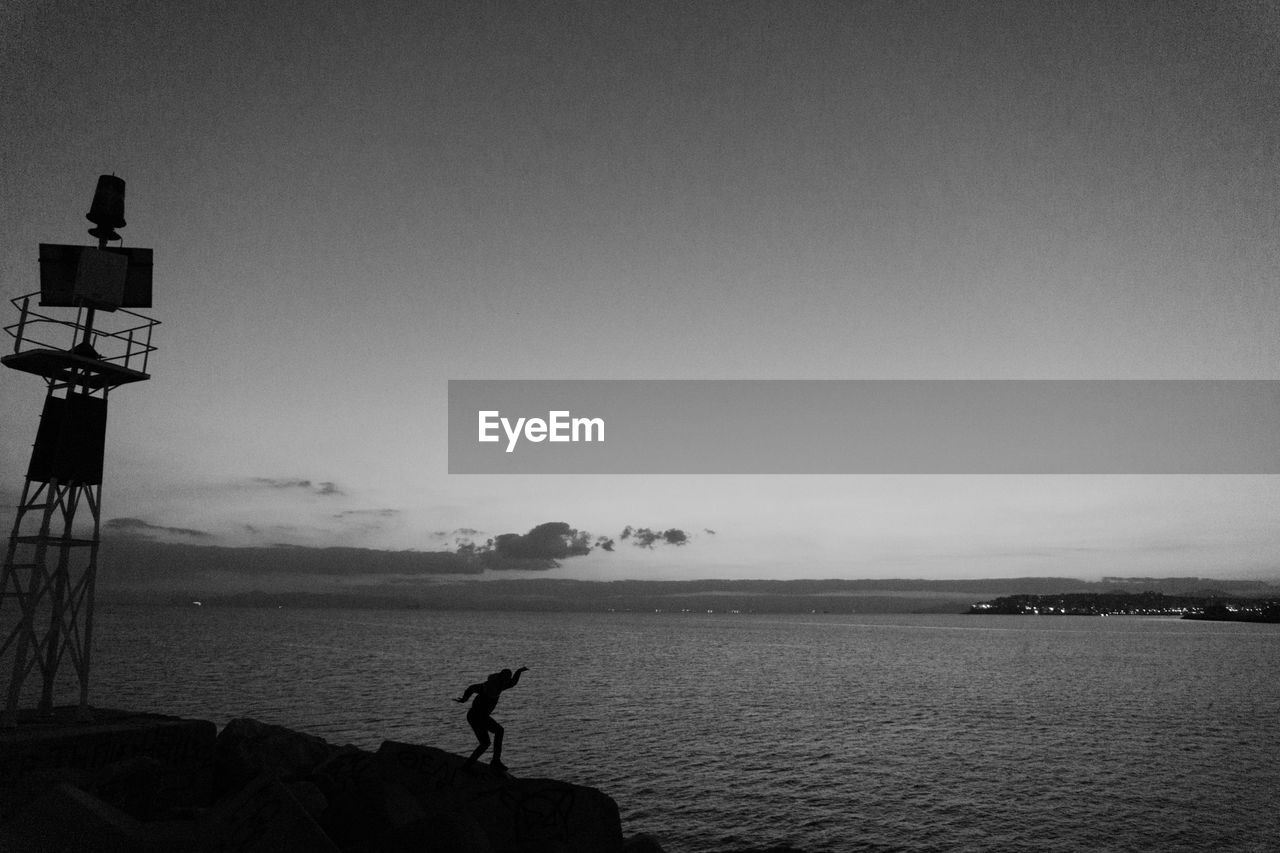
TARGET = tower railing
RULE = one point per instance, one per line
(125, 345)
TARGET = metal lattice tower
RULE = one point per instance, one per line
(51, 562)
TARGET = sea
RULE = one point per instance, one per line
(723, 732)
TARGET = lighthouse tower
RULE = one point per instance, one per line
(80, 337)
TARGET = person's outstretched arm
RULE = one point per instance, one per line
(515, 679)
(475, 688)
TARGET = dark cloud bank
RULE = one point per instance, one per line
(139, 554)
(556, 540)
(138, 527)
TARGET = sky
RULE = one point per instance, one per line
(352, 204)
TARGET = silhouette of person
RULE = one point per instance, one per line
(479, 715)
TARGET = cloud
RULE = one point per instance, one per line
(282, 484)
(553, 540)
(459, 536)
(366, 513)
(366, 522)
(270, 529)
(543, 546)
(644, 537)
(325, 487)
(145, 529)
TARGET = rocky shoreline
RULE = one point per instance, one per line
(140, 782)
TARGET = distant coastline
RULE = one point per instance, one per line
(1165, 596)
(1210, 606)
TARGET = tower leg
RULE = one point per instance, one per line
(22, 638)
(53, 638)
(89, 587)
(54, 622)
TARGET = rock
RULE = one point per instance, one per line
(358, 811)
(131, 785)
(642, 843)
(541, 815)
(247, 749)
(183, 750)
(310, 797)
(117, 784)
(17, 797)
(263, 818)
(370, 813)
(443, 833)
(65, 819)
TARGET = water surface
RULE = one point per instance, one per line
(830, 733)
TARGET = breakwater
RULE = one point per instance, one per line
(147, 782)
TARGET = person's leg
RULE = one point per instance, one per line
(481, 735)
(497, 744)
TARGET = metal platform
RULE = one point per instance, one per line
(63, 366)
(70, 349)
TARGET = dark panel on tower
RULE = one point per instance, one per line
(58, 265)
(70, 440)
